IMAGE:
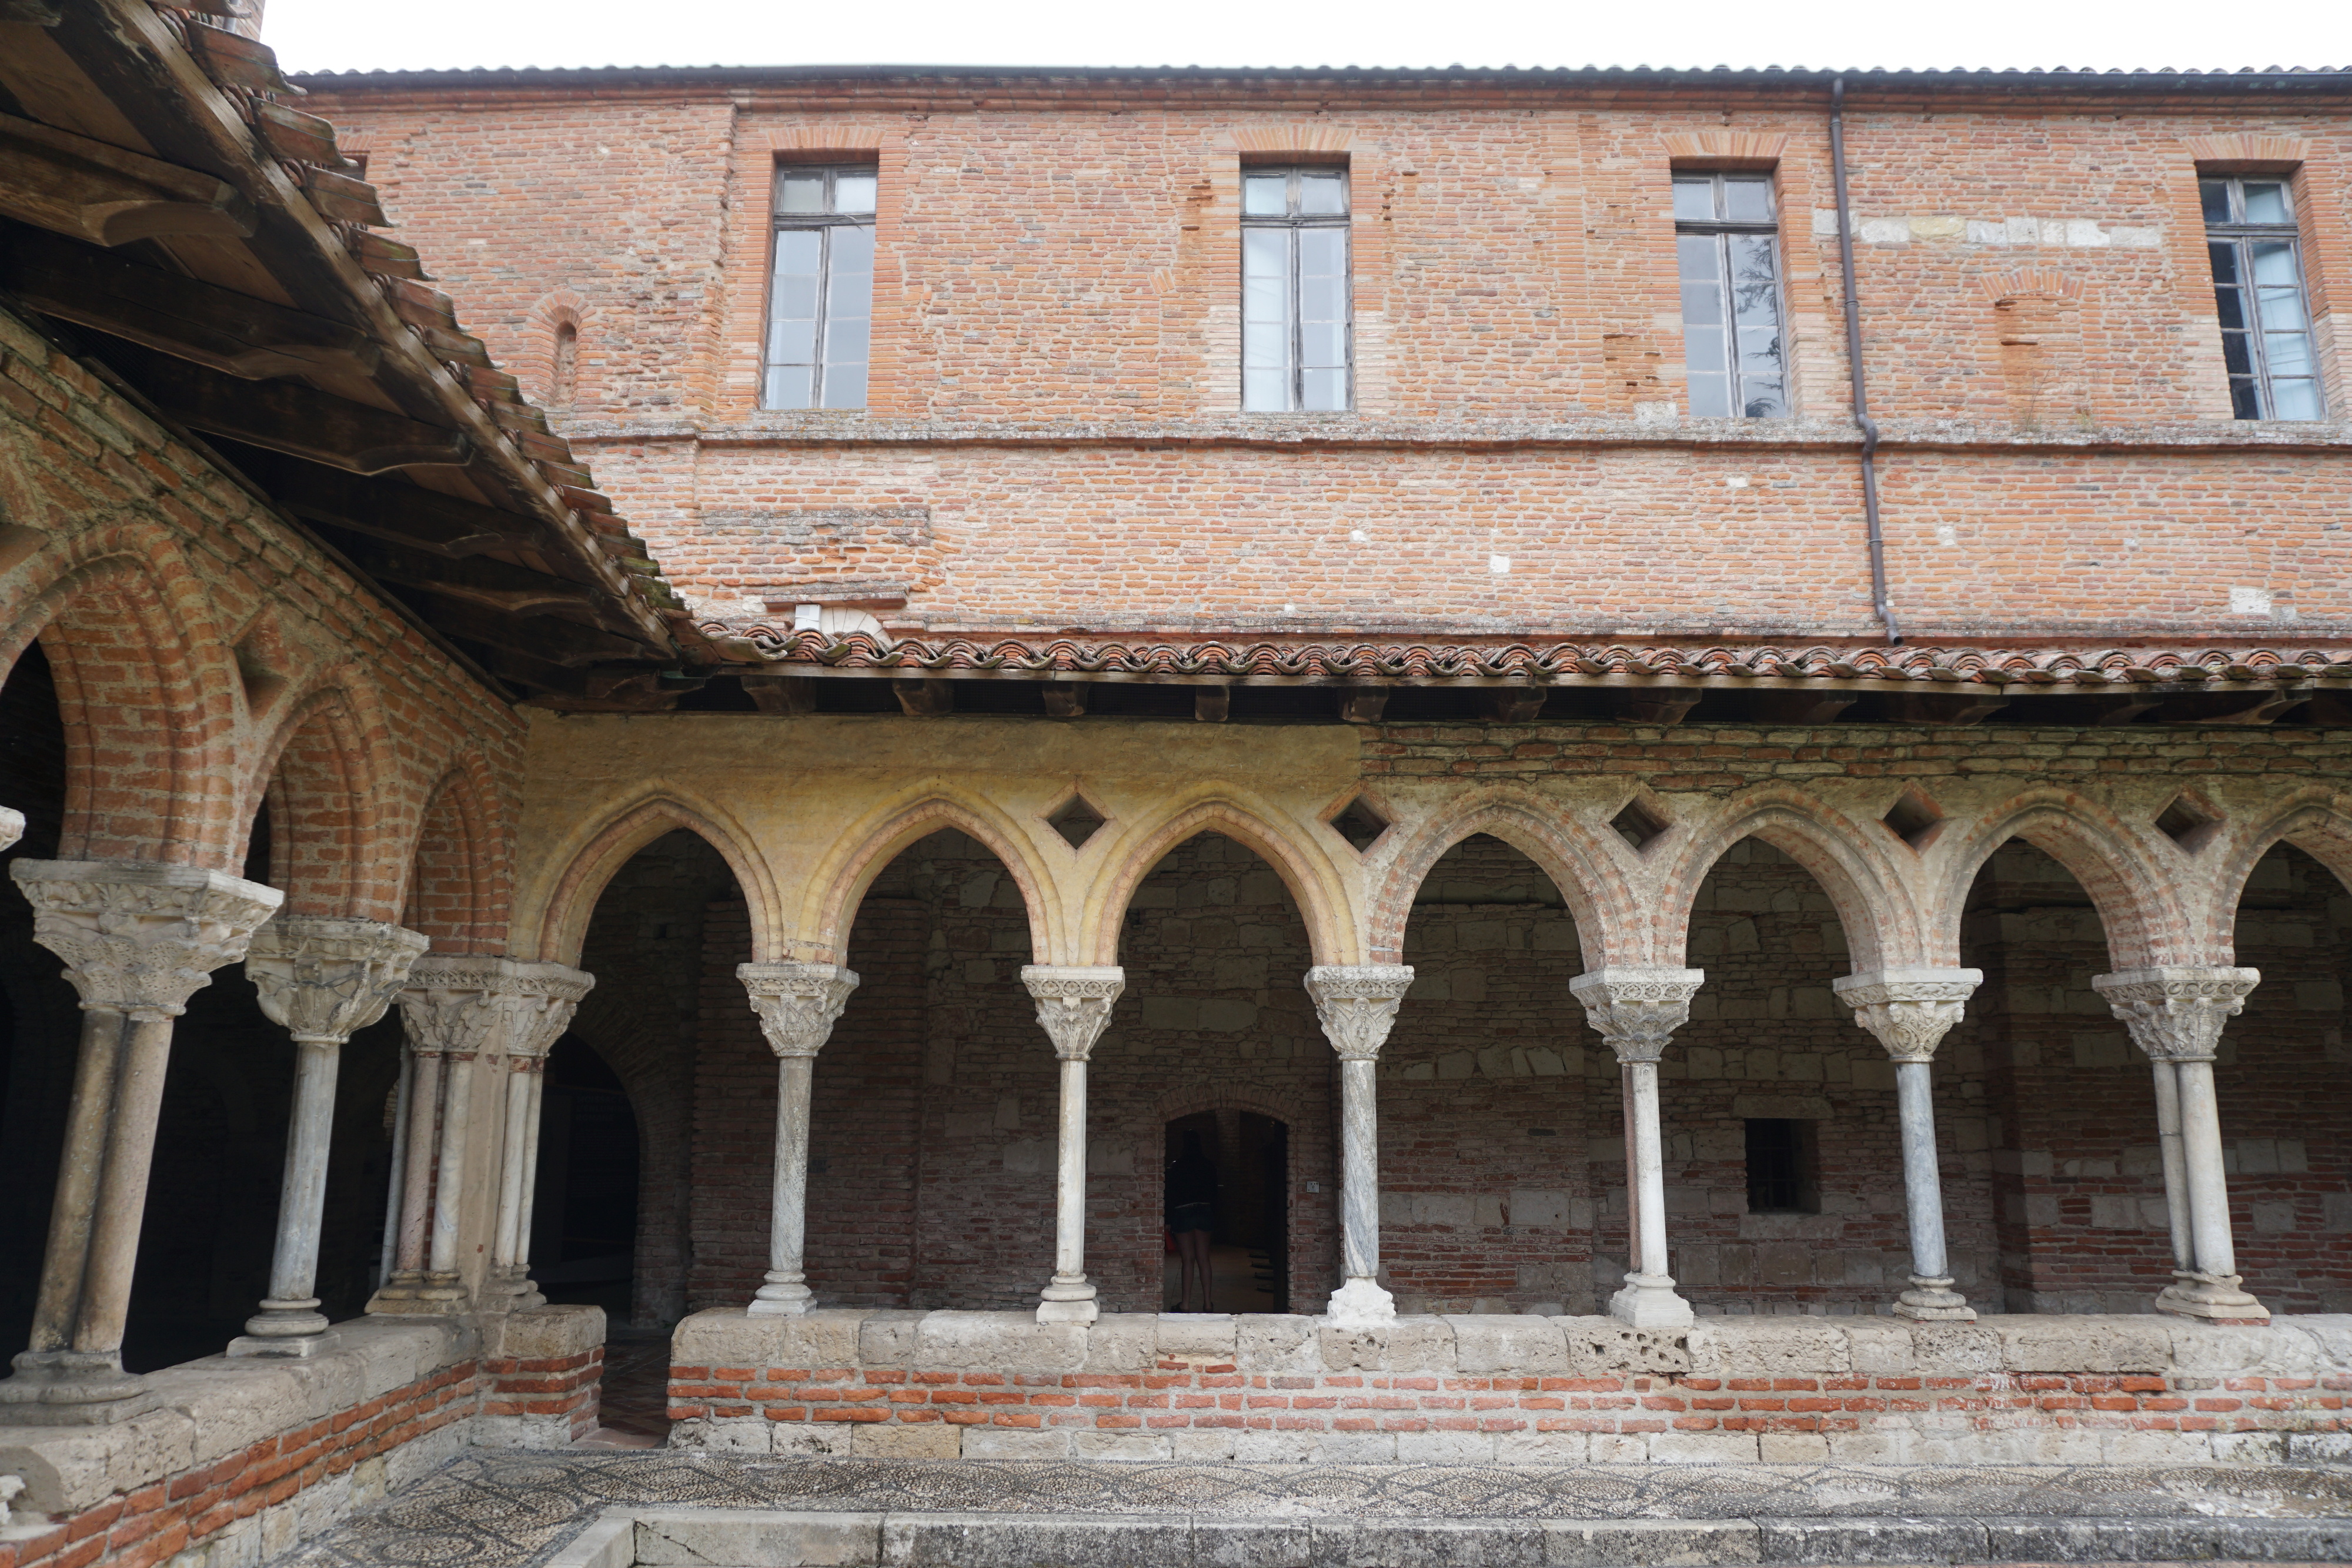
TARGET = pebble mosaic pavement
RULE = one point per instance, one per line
(512, 1510)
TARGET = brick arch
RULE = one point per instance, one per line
(1600, 900)
(563, 923)
(860, 854)
(1258, 1099)
(323, 811)
(458, 888)
(1310, 877)
(1869, 891)
(146, 694)
(2311, 820)
(2144, 921)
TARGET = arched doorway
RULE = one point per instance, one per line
(583, 1220)
(1249, 1237)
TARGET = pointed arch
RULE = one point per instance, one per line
(563, 923)
(314, 772)
(1314, 882)
(2137, 900)
(145, 695)
(1869, 890)
(458, 889)
(843, 877)
(2311, 820)
(1600, 900)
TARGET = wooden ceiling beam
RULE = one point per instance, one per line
(211, 325)
(282, 416)
(388, 509)
(89, 191)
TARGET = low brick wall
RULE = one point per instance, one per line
(2004, 1390)
(245, 1458)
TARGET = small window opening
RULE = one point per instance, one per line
(1359, 824)
(1912, 818)
(1783, 1167)
(1637, 824)
(1297, 345)
(2252, 241)
(1727, 244)
(1077, 821)
(821, 290)
(565, 374)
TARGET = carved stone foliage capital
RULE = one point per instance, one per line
(797, 1003)
(323, 979)
(11, 826)
(1074, 1003)
(1358, 1004)
(141, 937)
(1910, 1010)
(2175, 1014)
(462, 1004)
(1637, 1007)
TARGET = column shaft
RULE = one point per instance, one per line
(65, 1261)
(1070, 1178)
(2209, 1186)
(1923, 1186)
(416, 1199)
(2176, 1165)
(538, 1079)
(1359, 1169)
(122, 1185)
(449, 1180)
(786, 1291)
(1645, 1172)
(1637, 1009)
(301, 1198)
(1074, 1005)
(514, 1154)
(395, 1187)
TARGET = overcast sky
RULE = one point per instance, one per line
(356, 35)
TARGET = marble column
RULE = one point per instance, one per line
(460, 1010)
(539, 1005)
(2175, 1015)
(1910, 1011)
(1074, 1004)
(1637, 1009)
(138, 938)
(322, 979)
(1357, 1004)
(797, 1005)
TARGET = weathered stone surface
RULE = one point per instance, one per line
(756, 1538)
(1501, 1344)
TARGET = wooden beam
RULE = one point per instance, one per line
(180, 316)
(1213, 704)
(1065, 699)
(1362, 705)
(73, 186)
(282, 416)
(543, 637)
(1511, 705)
(1944, 707)
(1801, 707)
(924, 697)
(388, 508)
(1665, 705)
(491, 584)
(773, 693)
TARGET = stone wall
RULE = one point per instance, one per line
(1514, 1389)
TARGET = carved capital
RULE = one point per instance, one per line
(1074, 1003)
(1910, 1010)
(2175, 1014)
(1637, 1009)
(1358, 1004)
(137, 937)
(11, 826)
(460, 1004)
(324, 979)
(797, 1003)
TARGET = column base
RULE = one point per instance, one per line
(283, 1344)
(514, 1291)
(1649, 1301)
(1360, 1303)
(1068, 1302)
(2216, 1298)
(1933, 1302)
(71, 1388)
(397, 1293)
(783, 1296)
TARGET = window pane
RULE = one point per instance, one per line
(2230, 303)
(1266, 195)
(852, 194)
(2280, 309)
(792, 342)
(1698, 256)
(845, 385)
(1710, 395)
(1704, 355)
(2225, 260)
(2236, 355)
(2266, 201)
(2294, 399)
(2215, 195)
(1747, 199)
(1323, 344)
(798, 251)
(788, 387)
(2286, 353)
(2243, 401)
(1265, 253)
(1322, 298)
(1323, 253)
(2274, 261)
(1324, 392)
(1755, 287)
(800, 194)
(1265, 391)
(1266, 345)
(1694, 199)
(1762, 398)
(1322, 195)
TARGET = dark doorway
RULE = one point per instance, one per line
(584, 1218)
(1250, 1238)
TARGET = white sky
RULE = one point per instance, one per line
(349, 34)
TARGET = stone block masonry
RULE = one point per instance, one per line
(1498, 1389)
(243, 1461)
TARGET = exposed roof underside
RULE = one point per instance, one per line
(205, 247)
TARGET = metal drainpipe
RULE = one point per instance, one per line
(1853, 363)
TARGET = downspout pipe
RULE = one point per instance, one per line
(1854, 365)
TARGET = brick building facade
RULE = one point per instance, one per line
(1357, 617)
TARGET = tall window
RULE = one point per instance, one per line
(1728, 244)
(2258, 289)
(1296, 348)
(821, 296)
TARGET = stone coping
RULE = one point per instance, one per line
(2298, 1346)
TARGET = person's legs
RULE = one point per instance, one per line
(1194, 1247)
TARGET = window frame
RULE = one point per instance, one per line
(1290, 222)
(2240, 236)
(825, 222)
(1721, 230)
